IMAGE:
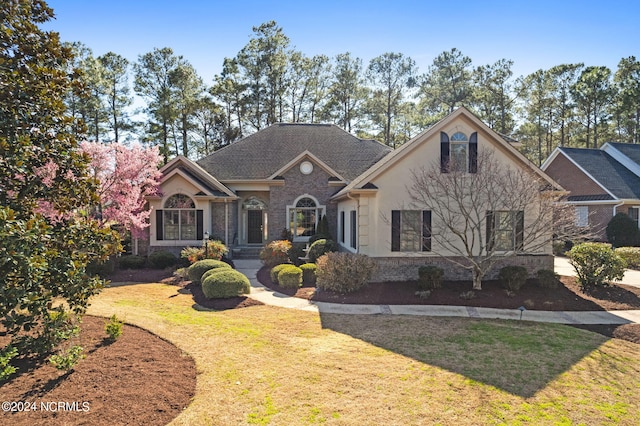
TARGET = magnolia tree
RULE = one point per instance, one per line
(126, 176)
(499, 211)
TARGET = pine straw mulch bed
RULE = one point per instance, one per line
(567, 297)
(139, 379)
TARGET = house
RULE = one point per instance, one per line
(286, 177)
(601, 182)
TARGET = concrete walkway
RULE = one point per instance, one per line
(250, 267)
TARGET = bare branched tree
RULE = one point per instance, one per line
(499, 211)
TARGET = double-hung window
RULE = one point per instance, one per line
(458, 153)
(505, 230)
(410, 230)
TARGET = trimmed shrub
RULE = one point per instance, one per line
(296, 252)
(548, 278)
(631, 256)
(275, 253)
(320, 247)
(219, 267)
(290, 277)
(162, 259)
(309, 273)
(595, 264)
(343, 272)
(622, 231)
(430, 277)
(276, 270)
(226, 283)
(131, 262)
(197, 270)
(513, 277)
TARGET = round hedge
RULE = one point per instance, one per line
(276, 270)
(309, 273)
(290, 277)
(201, 266)
(320, 247)
(225, 283)
(213, 271)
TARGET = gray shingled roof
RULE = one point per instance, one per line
(619, 180)
(261, 154)
(630, 150)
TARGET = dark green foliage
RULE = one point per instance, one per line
(309, 273)
(622, 231)
(226, 283)
(296, 252)
(131, 262)
(102, 268)
(323, 229)
(321, 247)
(513, 277)
(595, 264)
(197, 270)
(344, 272)
(548, 279)
(290, 277)
(430, 277)
(276, 270)
(162, 259)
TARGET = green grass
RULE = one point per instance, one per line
(266, 365)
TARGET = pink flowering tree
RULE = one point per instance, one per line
(126, 176)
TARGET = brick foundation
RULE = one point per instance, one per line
(406, 268)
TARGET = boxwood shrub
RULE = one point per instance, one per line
(162, 259)
(309, 273)
(290, 277)
(214, 270)
(276, 270)
(201, 266)
(513, 277)
(430, 277)
(631, 255)
(131, 262)
(548, 278)
(225, 283)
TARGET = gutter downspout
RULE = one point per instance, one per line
(615, 207)
(226, 223)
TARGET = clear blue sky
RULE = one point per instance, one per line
(534, 34)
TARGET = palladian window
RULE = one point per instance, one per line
(304, 217)
(179, 219)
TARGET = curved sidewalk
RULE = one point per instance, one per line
(267, 296)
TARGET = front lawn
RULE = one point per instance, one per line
(266, 365)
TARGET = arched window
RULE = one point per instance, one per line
(459, 153)
(304, 217)
(179, 220)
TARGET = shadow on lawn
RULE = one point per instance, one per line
(521, 358)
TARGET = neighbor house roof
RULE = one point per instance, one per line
(263, 153)
(630, 150)
(609, 173)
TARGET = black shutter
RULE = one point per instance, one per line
(159, 226)
(426, 230)
(342, 225)
(444, 152)
(490, 231)
(354, 229)
(473, 153)
(395, 230)
(199, 225)
(519, 230)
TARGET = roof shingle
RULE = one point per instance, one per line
(261, 154)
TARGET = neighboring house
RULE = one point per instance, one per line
(287, 176)
(601, 182)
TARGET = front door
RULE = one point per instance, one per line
(254, 226)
